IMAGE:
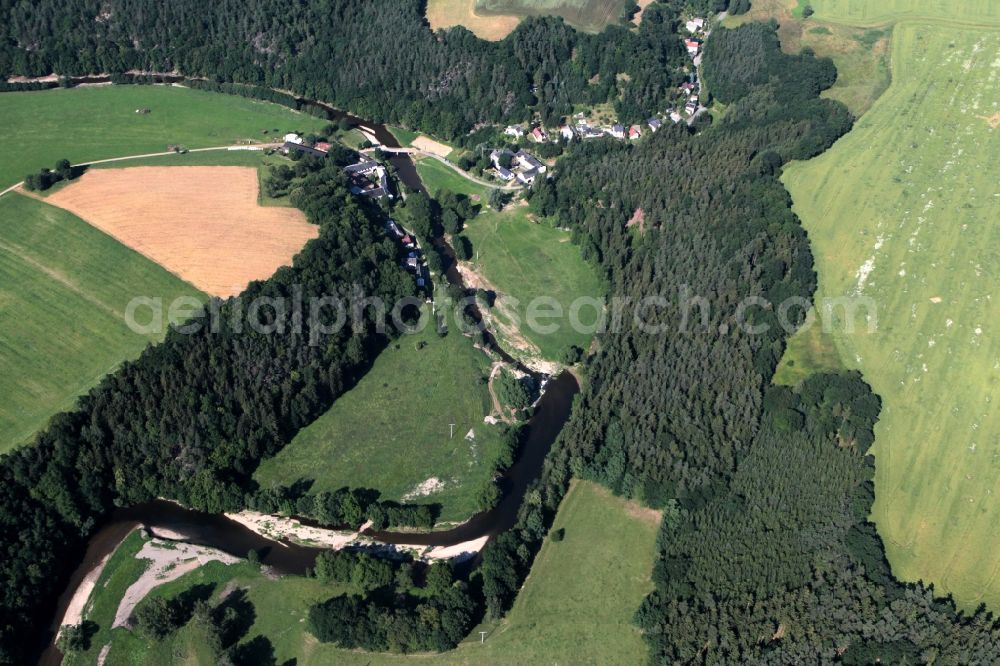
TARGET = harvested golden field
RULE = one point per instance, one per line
(429, 145)
(449, 13)
(201, 223)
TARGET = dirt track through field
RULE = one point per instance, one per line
(200, 223)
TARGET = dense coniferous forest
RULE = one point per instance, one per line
(375, 58)
(765, 555)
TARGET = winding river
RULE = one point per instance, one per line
(218, 531)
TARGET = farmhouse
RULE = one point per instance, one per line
(695, 25)
(523, 165)
(369, 178)
(302, 148)
(587, 132)
(292, 137)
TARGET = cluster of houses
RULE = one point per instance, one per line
(691, 89)
(368, 177)
(522, 166)
(414, 261)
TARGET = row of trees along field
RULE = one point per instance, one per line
(348, 53)
(765, 553)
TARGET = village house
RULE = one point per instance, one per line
(322, 145)
(695, 25)
(587, 132)
(302, 148)
(523, 166)
(539, 135)
(514, 130)
(292, 137)
(567, 133)
(634, 132)
(693, 46)
(654, 124)
(617, 131)
(676, 117)
(369, 178)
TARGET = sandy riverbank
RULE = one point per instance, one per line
(278, 528)
(169, 560)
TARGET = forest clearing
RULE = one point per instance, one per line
(902, 211)
(62, 327)
(392, 432)
(442, 14)
(201, 223)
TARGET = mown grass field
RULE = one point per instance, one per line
(872, 12)
(64, 288)
(392, 432)
(903, 211)
(576, 606)
(92, 123)
(437, 177)
(527, 260)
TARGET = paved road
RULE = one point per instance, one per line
(448, 163)
(144, 155)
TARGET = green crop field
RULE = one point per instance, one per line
(873, 12)
(64, 287)
(84, 124)
(576, 607)
(903, 211)
(392, 432)
(526, 260)
(586, 15)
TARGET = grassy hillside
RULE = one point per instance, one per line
(576, 607)
(870, 12)
(83, 124)
(392, 432)
(903, 211)
(527, 260)
(64, 287)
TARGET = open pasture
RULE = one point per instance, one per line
(524, 260)
(201, 223)
(100, 122)
(64, 287)
(874, 12)
(442, 14)
(392, 432)
(903, 211)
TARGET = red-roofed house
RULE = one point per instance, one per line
(634, 132)
(692, 46)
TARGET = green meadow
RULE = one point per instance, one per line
(576, 606)
(93, 123)
(528, 260)
(64, 288)
(393, 431)
(437, 176)
(873, 12)
(902, 212)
